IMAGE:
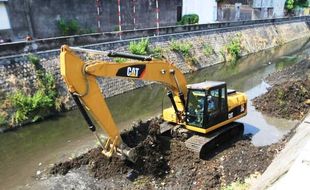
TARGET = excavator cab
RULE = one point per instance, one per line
(206, 104)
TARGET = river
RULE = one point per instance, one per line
(27, 151)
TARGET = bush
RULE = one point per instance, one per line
(30, 107)
(189, 19)
(70, 27)
(289, 4)
(231, 51)
(182, 47)
(34, 107)
(158, 52)
(207, 50)
(139, 48)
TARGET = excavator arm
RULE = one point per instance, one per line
(80, 78)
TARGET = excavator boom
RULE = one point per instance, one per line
(80, 78)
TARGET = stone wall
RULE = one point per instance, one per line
(39, 17)
(17, 73)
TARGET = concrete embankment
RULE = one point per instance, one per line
(18, 73)
(291, 168)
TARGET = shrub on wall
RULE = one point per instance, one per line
(231, 52)
(70, 27)
(37, 105)
(207, 50)
(189, 19)
(182, 47)
(140, 48)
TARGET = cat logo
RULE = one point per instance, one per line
(133, 71)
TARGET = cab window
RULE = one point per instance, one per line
(213, 101)
(195, 107)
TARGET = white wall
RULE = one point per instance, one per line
(205, 9)
(4, 19)
(278, 8)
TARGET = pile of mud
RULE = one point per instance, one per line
(298, 71)
(286, 100)
(142, 136)
(289, 95)
(166, 162)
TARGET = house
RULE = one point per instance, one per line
(206, 10)
(4, 21)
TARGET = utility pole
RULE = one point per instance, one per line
(119, 18)
(29, 23)
(157, 17)
(98, 5)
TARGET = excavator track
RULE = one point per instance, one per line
(203, 145)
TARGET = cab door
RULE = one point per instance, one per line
(216, 106)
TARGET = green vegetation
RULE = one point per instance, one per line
(119, 60)
(140, 48)
(36, 106)
(2, 120)
(70, 27)
(207, 50)
(184, 48)
(181, 47)
(231, 51)
(189, 19)
(238, 185)
(292, 4)
(157, 52)
(289, 4)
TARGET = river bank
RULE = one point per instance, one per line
(66, 138)
(167, 163)
(205, 49)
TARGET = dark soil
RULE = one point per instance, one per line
(171, 165)
(289, 93)
(297, 71)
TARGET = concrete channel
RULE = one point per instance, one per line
(64, 137)
(291, 168)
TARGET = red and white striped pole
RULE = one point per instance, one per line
(157, 17)
(134, 13)
(98, 15)
(119, 18)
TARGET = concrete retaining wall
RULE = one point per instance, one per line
(39, 17)
(77, 40)
(17, 73)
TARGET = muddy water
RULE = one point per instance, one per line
(28, 151)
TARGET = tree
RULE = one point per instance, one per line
(289, 4)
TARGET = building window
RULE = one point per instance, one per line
(4, 19)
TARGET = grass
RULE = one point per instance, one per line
(207, 50)
(184, 48)
(232, 51)
(139, 47)
(157, 52)
(238, 185)
(119, 60)
(181, 47)
(68, 27)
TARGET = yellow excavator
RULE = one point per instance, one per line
(199, 113)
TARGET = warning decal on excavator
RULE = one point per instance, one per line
(134, 71)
